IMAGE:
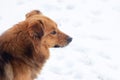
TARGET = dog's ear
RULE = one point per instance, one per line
(36, 29)
(34, 12)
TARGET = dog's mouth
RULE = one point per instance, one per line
(57, 46)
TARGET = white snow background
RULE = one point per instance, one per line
(94, 53)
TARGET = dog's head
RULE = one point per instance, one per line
(45, 30)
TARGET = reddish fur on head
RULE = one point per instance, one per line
(34, 12)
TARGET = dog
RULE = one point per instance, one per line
(24, 48)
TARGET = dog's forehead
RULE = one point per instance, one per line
(49, 22)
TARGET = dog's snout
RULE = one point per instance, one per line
(69, 39)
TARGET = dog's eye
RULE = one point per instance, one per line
(53, 32)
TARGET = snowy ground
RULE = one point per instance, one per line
(94, 25)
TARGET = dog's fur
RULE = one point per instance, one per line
(24, 47)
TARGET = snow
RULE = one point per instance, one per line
(94, 53)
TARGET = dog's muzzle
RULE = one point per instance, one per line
(68, 40)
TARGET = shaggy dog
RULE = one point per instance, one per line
(24, 48)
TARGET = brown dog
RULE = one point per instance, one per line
(24, 48)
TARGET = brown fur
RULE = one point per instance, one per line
(24, 47)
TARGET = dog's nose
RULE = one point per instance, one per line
(69, 39)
